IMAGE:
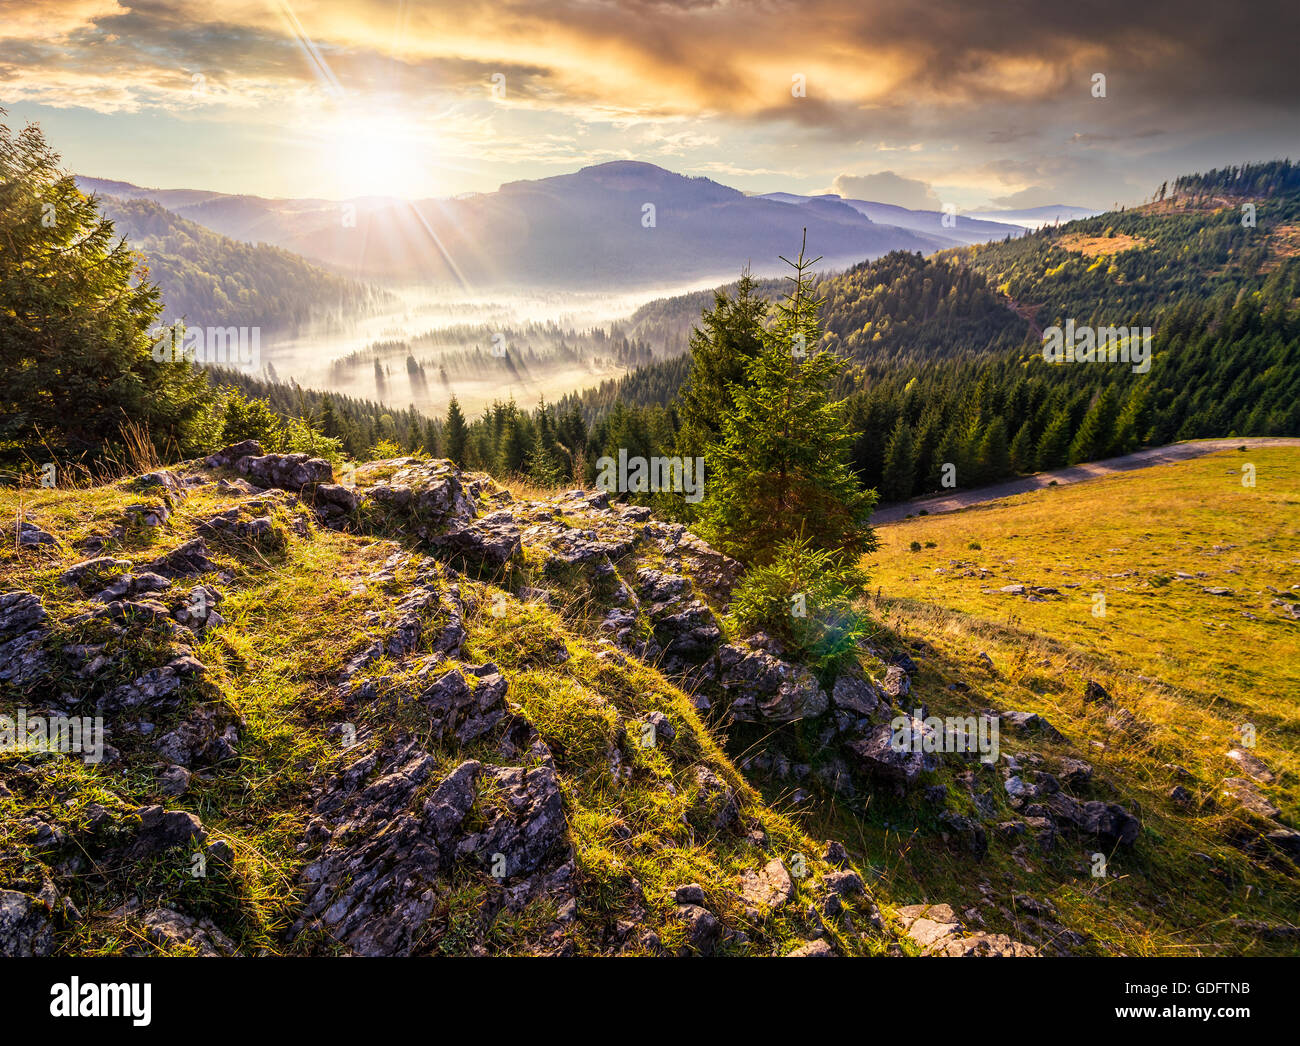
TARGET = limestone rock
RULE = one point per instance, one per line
(876, 755)
(23, 659)
(286, 471)
(770, 888)
(25, 927)
(175, 931)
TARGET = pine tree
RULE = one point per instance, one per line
(515, 445)
(79, 359)
(899, 472)
(543, 463)
(415, 434)
(1054, 446)
(731, 336)
(1134, 420)
(1096, 433)
(778, 471)
(1022, 449)
(994, 455)
(456, 433)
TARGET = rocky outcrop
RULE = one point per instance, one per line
(228, 456)
(26, 930)
(208, 735)
(762, 688)
(391, 828)
(189, 560)
(936, 930)
(23, 659)
(180, 934)
(285, 471)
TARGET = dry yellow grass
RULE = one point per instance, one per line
(1193, 667)
(1095, 246)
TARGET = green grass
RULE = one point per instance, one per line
(297, 608)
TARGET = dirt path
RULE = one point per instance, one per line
(1138, 460)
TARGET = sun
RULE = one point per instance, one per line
(370, 154)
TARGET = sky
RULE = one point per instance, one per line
(976, 104)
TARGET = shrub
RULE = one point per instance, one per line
(804, 597)
(915, 546)
(975, 545)
(383, 450)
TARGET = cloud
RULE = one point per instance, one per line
(858, 57)
(1034, 196)
(985, 82)
(888, 187)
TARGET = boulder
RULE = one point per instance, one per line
(1094, 692)
(286, 471)
(854, 695)
(249, 448)
(967, 831)
(163, 829)
(896, 685)
(702, 929)
(875, 754)
(1248, 796)
(187, 560)
(25, 928)
(770, 888)
(717, 805)
(763, 688)
(23, 659)
(1252, 765)
(491, 541)
(157, 689)
(32, 536)
(1109, 822)
(208, 735)
(813, 950)
(1031, 723)
(174, 931)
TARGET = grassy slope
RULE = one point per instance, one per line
(1192, 665)
(296, 609)
(297, 612)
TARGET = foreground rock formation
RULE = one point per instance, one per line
(510, 742)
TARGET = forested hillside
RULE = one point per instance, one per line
(943, 354)
(901, 308)
(1132, 265)
(1215, 281)
(211, 280)
(946, 365)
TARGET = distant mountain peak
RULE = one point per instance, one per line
(626, 167)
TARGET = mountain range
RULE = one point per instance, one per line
(614, 224)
